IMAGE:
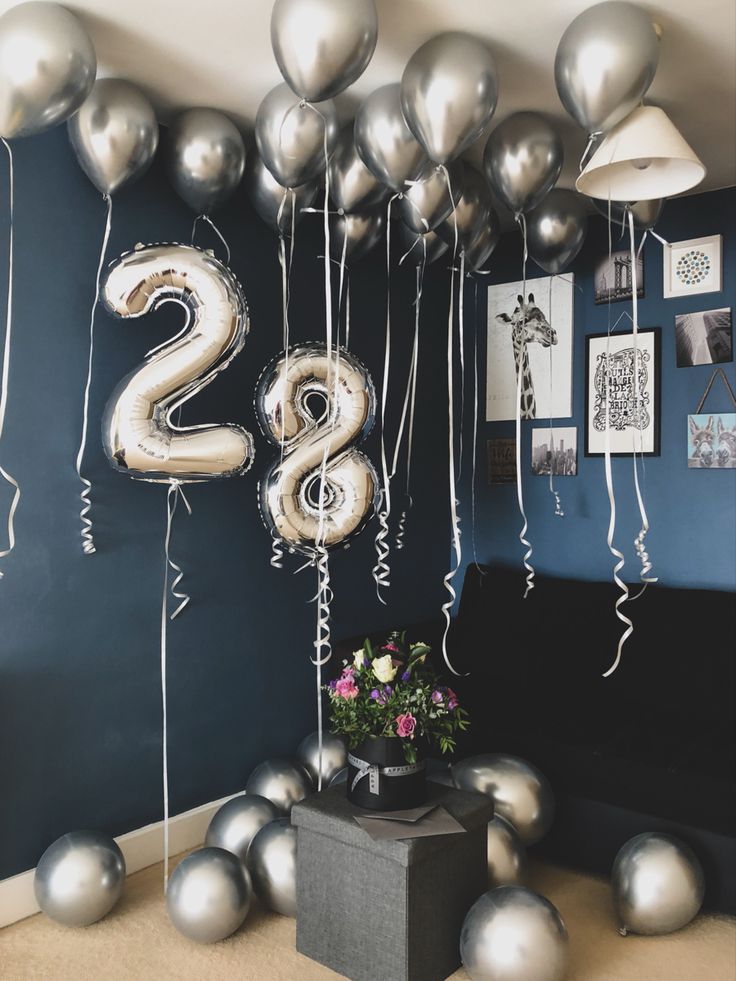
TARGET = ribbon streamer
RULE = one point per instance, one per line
(411, 393)
(476, 394)
(88, 542)
(217, 232)
(519, 379)
(6, 361)
(559, 513)
(323, 641)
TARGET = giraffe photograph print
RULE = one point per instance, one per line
(531, 334)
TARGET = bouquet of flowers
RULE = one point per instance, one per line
(392, 691)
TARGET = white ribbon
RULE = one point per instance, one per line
(217, 232)
(476, 394)
(6, 362)
(552, 489)
(519, 379)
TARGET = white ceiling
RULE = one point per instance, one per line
(218, 53)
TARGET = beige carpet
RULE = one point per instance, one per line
(137, 943)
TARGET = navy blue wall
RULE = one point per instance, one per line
(80, 732)
(692, 541)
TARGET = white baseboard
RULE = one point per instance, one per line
(141, 848)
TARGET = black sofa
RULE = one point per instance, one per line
(650, 748)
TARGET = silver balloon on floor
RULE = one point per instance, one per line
(272, 865)
(208, 895)
(238, 821)
(334, 756)
(658, 884)
(79, 878)
(283, 782)
(205, 158)
(507, 862)
(520, 793)
(556, 230)
(513, 934)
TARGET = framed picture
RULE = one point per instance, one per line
(555, 450)
(703, 338)
(613, 280)
(693, 266)
(711, 441)
(502, 460)
(533, 335)
(610, 393)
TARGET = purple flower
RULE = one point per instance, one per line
(388, 691)
(406, 675)
(333, 684)
(437, 697)
(379, 696)
(452, 702)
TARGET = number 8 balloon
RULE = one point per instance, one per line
(313, 442)
(139, 437)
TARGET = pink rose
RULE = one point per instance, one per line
(346, 688)
(390, 647)
(405, 725)
(452, 701)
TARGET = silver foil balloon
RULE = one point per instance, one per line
(47, 67)
(334, 756)
(79, 878)
(352, 185)
(272, 866)
(283, 782)
(271, 200)
(520, 793)
(449, 91)
(474, 211)
(427, 202)
(322, 46)
(205, 158)
(209, 895)
(355, 234)
(290, 491)
(235, 825)
(507, 863)
(556, 230)
(523, 159)
(658, 884)
(138, 435)
(292, 137)
(513, 934)
(605, 62)
(114, 134)
(645, 213)
(416, 245)
(385, 143)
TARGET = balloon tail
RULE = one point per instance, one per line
(476, 394)
(559, 513)
(322, 641)
(8, 477)
(216, 230)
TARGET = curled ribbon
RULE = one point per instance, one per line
(519, 490)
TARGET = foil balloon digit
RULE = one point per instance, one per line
(47, 67)
(556, 230)
(334, 756)
(474, 216)
(205, 158)
(646, 214)
(79, 878)
(209, 895)
(605, 62)
(415, 246)
(272, 865)
(283, 782)
(238, 821)
(323, 489)
(384, 142)
(114, 134)
(292, 137)
(522, 160)
(427, 202)
(322, 46)
(272, 201)
(352, 185)
(355, 234)
(449, 91)
(138, 435)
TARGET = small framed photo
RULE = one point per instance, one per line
(612, 400)
(704, 337)
(555, 451)
(613, 280)
(693, 266)
(711, 441)
(502, 460)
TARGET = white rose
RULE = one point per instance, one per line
(383, 668)
(359, 658)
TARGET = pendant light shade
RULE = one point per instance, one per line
(645, 156)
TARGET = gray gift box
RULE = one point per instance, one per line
(386, 910)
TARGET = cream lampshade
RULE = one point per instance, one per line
(643, 157)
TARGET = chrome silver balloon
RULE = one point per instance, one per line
(322, 46)
(47, 67)
(205, 158)
(523, 159)
(235, 824)
(272, 866)
(209, 895)
(114, 134)
(384, 142)
(513, 934)
(449, 91)
(520, 793)
(474, 211)
(605, 62)
(334, 756)
(439, 771)
(427, 202)
(355, 233)
(283, 782)
(292, 137)
(482, 246)
(556, 230)
(646, 214)
(658, 884)
(271, 200)
(139, 438)
(340, 777)
(507, 863)
(413, 244)
(79, 878)
(352, 185)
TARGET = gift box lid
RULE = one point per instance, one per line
(331, 814)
